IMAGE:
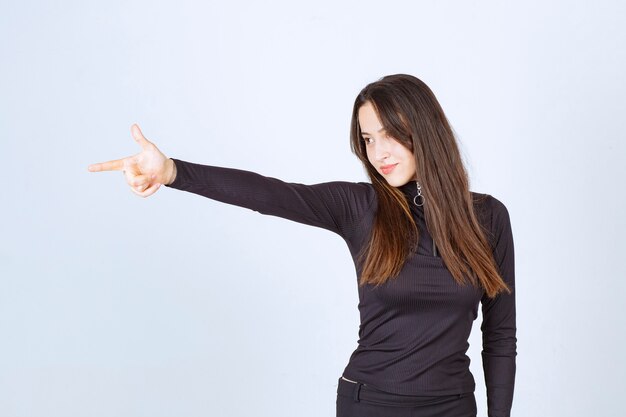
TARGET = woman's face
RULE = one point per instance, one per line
(388, 156)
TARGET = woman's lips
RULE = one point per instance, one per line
(387, 169)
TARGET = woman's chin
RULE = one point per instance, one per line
(396, 182)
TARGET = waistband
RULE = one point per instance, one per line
(359, 391)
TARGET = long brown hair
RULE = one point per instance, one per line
(409, 111)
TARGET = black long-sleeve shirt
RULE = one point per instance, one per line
(414, 329)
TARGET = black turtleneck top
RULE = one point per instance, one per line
(414, 330)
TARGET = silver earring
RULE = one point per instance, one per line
(419, 194)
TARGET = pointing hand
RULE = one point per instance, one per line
(145, 171)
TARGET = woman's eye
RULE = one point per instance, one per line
(366, 140)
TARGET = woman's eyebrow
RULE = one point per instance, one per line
(379, 130)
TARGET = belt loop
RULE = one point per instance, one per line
(357, 391)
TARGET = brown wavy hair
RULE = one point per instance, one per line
(409, 111)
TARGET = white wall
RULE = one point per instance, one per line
(176, 305)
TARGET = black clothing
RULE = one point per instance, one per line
(361, 400)
(414, 329)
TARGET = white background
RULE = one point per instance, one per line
(177, 305)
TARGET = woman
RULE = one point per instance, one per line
(425, 248)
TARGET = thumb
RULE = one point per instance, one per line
(139, 137)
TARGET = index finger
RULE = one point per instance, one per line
(114, 165)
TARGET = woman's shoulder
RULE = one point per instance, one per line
(492, 212)
(487, 201)
(363, 189)
(359, 196)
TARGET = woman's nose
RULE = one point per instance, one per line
(381, 151)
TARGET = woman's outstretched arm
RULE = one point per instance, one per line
(337, 206)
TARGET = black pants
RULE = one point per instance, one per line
(359, 400)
